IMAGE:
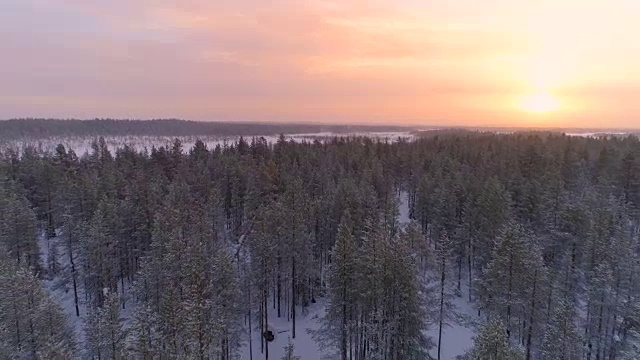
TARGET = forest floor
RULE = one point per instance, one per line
(61, 292)
(304, 344)
(457, 338)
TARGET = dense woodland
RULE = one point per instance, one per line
(175, 253)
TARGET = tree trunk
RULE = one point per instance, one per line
(470, 255)
(599, 344)
(263, 328)
(266, 322)
(279, 290)
(73, 276)
(343, 345)
(250, 328)
(531, 314)
(293, 297)
(18, 338)
(123, 297)
(508, 324)
(441, 320)
(587, 331)
(460, 276)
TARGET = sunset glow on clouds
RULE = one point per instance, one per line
(462, 62)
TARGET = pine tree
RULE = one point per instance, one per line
(446, 308)
(104, 332)
(406, 299)
(144, 338)
(485, 214)
(509, 279)
(57, 336)
(31, 324)
(417, 243)
(99, 255)
(71, 234)
(189, 300)
(197, 301)
(338, 326)
(371, 283)
(93, 331)
(160, 280)
(113, 323)
(263, 254)
(288, 352)
(562, 338)
(228, 305)
(18, 228)
(492, 343)
(598, 309)
(295, 233)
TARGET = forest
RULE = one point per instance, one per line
(174, 253)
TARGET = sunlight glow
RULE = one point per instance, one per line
(540, 103)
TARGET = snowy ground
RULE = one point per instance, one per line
(403, 209)
(82, 145)
(304, 345)
(63, 293)
(458, 337)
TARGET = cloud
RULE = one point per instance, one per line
(289, 59)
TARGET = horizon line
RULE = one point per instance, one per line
(400, 124)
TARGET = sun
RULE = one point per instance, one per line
(541, 102)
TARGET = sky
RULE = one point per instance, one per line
(424, 62)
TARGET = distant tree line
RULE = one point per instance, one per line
(200, 245)
(33, 128)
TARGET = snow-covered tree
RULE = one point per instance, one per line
(288, 352)
(144, 338)
(18, 227)
(512, 280)
(486, 212)
(492, 343)
(105, 336)
(562, 338)
(339, 321)
(406, 299)
(99, 255)
(32, 325)
(446, 308)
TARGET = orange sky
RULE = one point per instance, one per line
(454, 62)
